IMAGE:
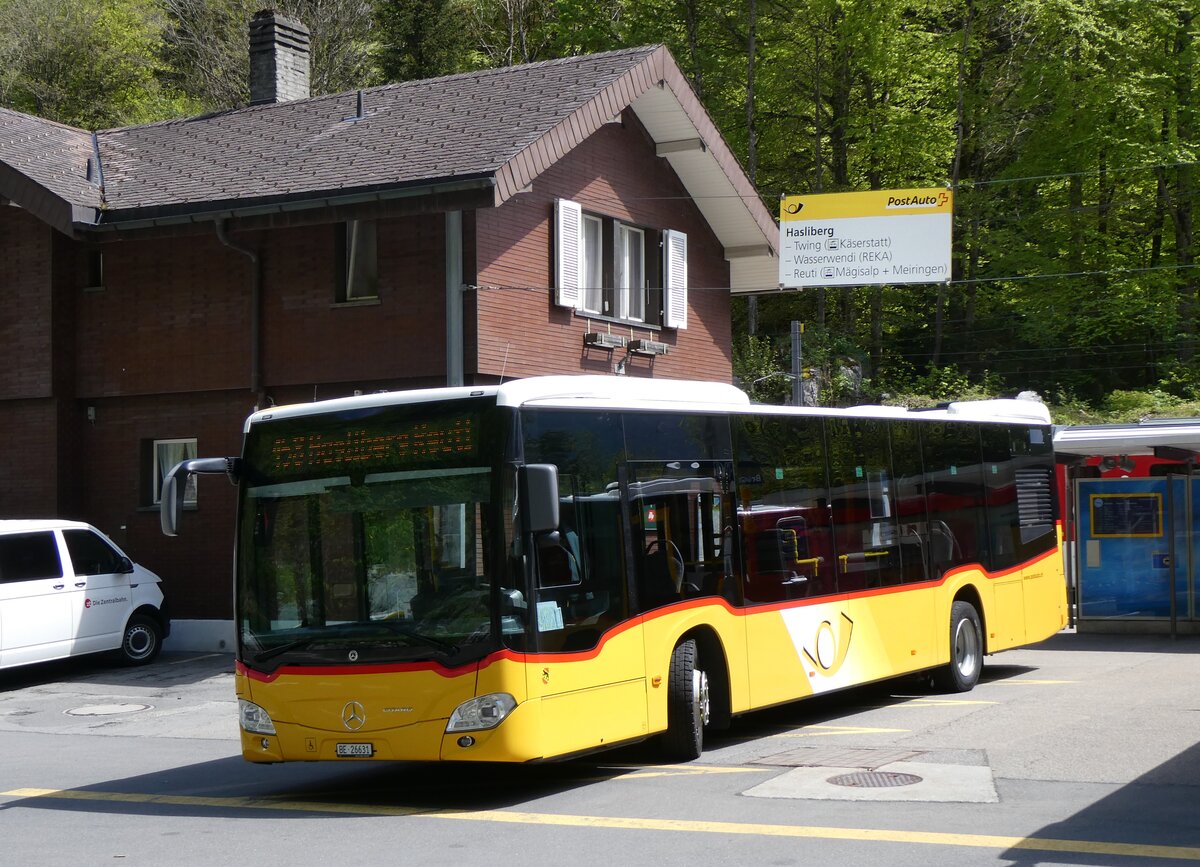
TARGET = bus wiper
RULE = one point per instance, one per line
(409, 632)
(284, 648)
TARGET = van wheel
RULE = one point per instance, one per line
(688, 705)
(966, 651)
(142, 640)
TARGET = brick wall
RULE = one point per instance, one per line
(25, 326)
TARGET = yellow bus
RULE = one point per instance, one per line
(559, 565)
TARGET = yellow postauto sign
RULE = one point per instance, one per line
(868, 238)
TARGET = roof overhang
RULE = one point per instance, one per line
(659, 94)
(422, 197)
(712, 176)
(1128, 439)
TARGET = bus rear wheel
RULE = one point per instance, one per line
(966, 650)
(688, 705)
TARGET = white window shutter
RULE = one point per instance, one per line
(675, 280)
(568, 228)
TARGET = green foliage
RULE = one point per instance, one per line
(761, 368)
(1067, 127)
(87, 63)
(418, 39)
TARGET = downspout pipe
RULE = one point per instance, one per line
(255, 313)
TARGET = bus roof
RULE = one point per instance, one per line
(619, 392)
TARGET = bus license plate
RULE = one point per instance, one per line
(355, 751)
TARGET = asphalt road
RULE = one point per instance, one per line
(1081, 750)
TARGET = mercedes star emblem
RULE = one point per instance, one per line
(353, 716)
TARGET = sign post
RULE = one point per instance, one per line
(867, 238)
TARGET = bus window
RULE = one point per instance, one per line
(1000, 498)
(580, 588)
(911, 514)
(783, 508)
(682, 524)
(864, 506)
(953, 494)
(652, 436)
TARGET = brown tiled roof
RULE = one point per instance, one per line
(44, 164)
(496, 128)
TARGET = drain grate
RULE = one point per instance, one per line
(874, 780)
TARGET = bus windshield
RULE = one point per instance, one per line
(370, 536)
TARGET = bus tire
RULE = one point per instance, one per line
(688, 705)
(142, 640)
(966, 650)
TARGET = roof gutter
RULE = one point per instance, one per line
(229, 210)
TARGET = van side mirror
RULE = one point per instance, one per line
(171, 500)
(539, 484)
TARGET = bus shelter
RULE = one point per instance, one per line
(1130, 509)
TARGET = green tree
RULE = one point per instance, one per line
(416, 39)
(87, 63)
(206, 46)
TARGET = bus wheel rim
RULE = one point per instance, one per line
(966, 647)
(701, 697)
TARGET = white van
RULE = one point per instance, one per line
(67, 589)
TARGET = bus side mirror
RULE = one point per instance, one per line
(540, 485)
(170, 504)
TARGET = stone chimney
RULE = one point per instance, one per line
(278, 58)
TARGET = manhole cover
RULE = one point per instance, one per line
(106, 709)
(874, 780)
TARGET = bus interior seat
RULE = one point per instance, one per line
(657, 587)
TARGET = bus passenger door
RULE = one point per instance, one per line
(590, 670)
(683, 526)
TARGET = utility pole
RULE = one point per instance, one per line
(797, 360)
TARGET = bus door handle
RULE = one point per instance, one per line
(59, 586)
(81, 584)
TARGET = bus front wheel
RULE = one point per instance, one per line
(688, 705)
(966, 650)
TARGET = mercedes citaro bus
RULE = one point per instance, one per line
(559, 565)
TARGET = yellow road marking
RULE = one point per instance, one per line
(828, 731)
(927, 838)
(640, 772)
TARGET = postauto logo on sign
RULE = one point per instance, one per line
(88, 603)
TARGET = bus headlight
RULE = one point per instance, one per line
(484, 712)
(254, 719)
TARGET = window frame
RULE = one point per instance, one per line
(157, 471)
(591, 271)
(613, 257)
(354, 239)
(630, 302)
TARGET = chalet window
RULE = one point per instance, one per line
(630, 282)
(591, 258)
(605, 267)
(164, 455)
(356, 261)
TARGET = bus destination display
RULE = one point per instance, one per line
(364, 449)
